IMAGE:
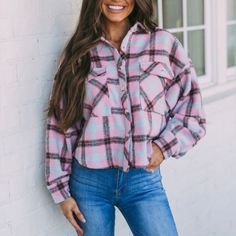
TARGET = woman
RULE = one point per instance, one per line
(124, 99)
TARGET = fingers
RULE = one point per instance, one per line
(71, 212)
(156, 159)
(79, 214)
(150, 168)
(73, 222)
(153, 165)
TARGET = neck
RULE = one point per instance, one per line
(115, 31)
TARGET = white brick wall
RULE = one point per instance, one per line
(32, 33)
(201, 186)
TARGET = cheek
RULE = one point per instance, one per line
(131, 5)
(103, 7)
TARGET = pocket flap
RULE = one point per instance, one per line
(157, 68)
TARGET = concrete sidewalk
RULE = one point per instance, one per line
(201, 186)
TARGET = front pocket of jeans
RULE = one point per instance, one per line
(152, 180)
(97, 92)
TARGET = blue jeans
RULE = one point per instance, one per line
(138, 194)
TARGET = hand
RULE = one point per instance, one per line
(68, 207)
(156, 159)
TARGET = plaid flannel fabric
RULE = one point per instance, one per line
(146, 92)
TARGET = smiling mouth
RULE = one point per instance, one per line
(115, 7)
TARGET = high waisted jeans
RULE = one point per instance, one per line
(138, 194)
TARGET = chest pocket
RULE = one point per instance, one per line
(152, 86)
(97, 92)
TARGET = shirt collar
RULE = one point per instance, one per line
(133, 28)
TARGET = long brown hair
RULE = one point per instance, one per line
(67, 96)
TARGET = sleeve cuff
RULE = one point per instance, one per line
(59, 193)
(168, 144)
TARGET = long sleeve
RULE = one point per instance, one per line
(186, 124)
(58, 159)
(59, 147)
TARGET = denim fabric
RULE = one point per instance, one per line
(138, 194)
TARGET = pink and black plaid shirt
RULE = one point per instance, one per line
(148, 92)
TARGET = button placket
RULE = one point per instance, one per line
(126, 104)
(123, 87)
(123, 68)
(127, 123)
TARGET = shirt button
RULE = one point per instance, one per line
(123, 87)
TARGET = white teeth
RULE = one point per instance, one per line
(113, 7)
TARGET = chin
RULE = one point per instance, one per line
(115, 19)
